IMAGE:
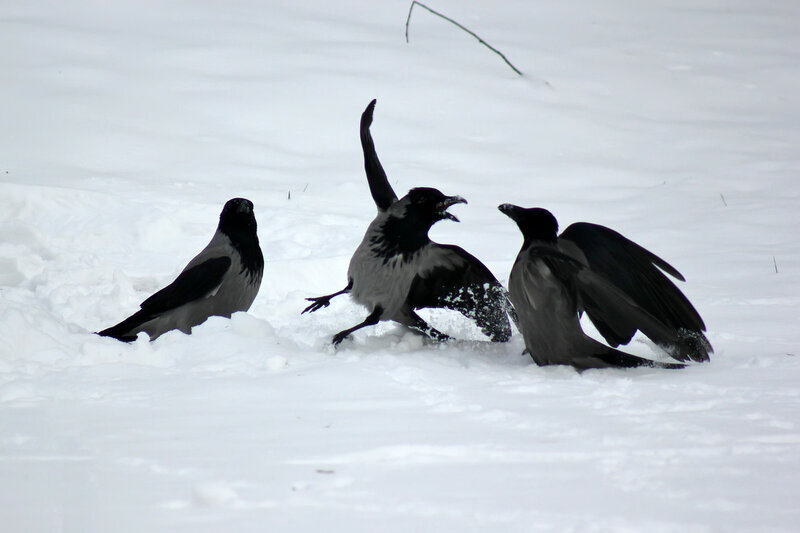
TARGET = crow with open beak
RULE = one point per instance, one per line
(397, 269)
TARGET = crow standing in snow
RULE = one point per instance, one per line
(619, 285)
(222, 279)
(397, 269)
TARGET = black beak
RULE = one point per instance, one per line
(238, 205)
(243, 205)
(446, 203)
(509, 210)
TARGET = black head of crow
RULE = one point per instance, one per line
(427, 205)
(238, 222)
(405, 229)
(536, 224)
(397, 268)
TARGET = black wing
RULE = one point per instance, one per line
(122, 331)
(457, 280)
(601, 298)
(190, 285)
(637, 273)
(382, 192)
(193, 283)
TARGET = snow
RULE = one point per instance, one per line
(127, 125)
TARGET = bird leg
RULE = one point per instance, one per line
(416, 323)
(371, 320)
(325, 301)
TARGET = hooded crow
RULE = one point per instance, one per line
(619, 285)
(397, 269)
(222, 279)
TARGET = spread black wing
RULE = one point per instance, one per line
(637, 273)
(600, 297)
(581, 288)
(382, 192)
(457, 280)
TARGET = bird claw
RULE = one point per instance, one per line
(318, 303)
(339, 337)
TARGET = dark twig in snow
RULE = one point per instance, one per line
(289, 195)
(723, 199)
(487, 45)
(774, 262)
(305, 188)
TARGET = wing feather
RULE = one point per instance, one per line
(454, 279)
(639, 275)
(382, 192)
(601, 298)
(192, 284)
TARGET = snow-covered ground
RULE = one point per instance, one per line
(126, 125)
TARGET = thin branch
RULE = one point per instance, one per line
(723, 199)
(774, 262)
(487, 45)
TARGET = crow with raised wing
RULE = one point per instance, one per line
(222, 279)
(620, 285)
(397, 269)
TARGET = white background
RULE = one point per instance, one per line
(126, 125)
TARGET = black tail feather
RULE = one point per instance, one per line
(605, 357)
(127, 330)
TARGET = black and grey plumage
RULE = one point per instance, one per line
(619, 284)
(397, 269)
(222, 279)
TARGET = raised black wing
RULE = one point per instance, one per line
(382, 192)
(637, 273)
(600, 297)
(190, 285)
(454, 279)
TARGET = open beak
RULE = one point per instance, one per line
(446, 203)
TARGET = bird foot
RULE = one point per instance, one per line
(339, 337)
(318, 303)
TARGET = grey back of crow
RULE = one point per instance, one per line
(554, 280)
(397, 269)
(222, 279)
